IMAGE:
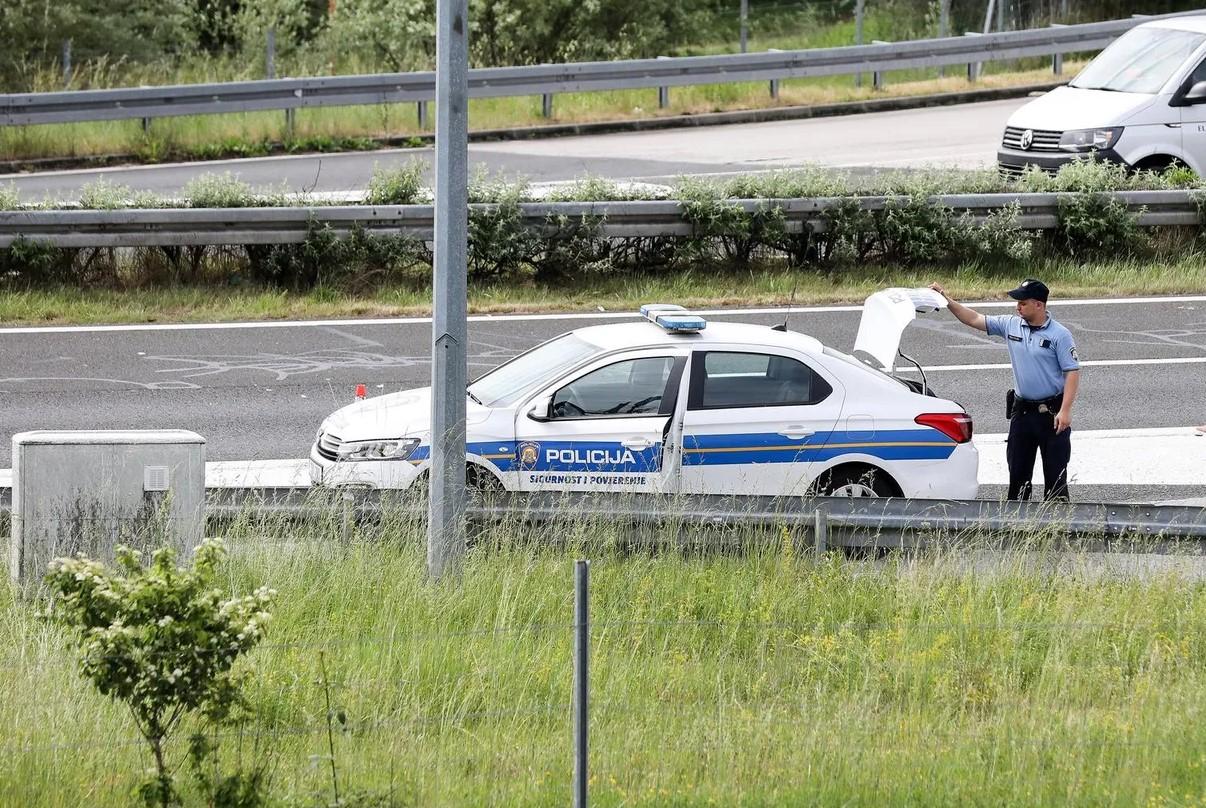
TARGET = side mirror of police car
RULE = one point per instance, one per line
(540, 409)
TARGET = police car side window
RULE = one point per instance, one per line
(631, 387)
(725, 380)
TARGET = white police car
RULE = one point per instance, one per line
(671, 403)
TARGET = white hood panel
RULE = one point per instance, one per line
(395, 415)
(886, 314)
(1066, 108)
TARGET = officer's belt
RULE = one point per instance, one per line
(1051, 405)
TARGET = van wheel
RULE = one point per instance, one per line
(855, 482)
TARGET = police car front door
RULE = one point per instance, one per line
(603, 430)
(754, 423)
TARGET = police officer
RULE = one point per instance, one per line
(1046, 372)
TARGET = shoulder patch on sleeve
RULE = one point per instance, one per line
(1075, 355)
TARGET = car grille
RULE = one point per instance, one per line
(1044, 139)
(328, 446)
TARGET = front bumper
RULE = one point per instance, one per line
(392, 474)
(1012, 162)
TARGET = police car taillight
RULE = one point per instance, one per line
(674, 319)
(955, 425)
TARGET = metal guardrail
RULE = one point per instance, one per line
(333, 91)
(830, 521)
(188, 226)
(836, 521)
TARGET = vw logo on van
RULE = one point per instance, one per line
(1027, 139)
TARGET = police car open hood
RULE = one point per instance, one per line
(886, 314)
(394, 415)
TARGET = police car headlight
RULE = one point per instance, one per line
(378, 450)
(1083, 140)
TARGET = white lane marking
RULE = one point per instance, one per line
(1179, 360)
(1123, 457)
(500, 318)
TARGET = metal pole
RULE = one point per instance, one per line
(988, 16)
(944, 27)
(858, 35)
(581, 678)
(66, 62)
(1057, 59)
(449, 332)
(877, 78)
(270, 55)
(745, 14)
(422, 114)
(821, 533)
(663, 93)
(546, 105)
(1001, 15)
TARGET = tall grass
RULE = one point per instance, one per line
(759, 677)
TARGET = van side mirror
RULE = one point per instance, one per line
(1195, 94)
(540, 408)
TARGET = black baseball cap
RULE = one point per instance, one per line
(1030, 289)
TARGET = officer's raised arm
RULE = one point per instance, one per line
(969, 317)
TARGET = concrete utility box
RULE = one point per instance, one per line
(86, 492)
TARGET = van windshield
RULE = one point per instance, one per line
(1140, 61)
(507, 383)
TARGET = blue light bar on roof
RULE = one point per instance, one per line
(674, 319)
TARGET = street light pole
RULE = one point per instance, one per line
(449, 329)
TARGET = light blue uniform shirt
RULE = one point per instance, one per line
(1040, 356)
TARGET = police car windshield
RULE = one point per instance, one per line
(507, 383)
(1139, 61)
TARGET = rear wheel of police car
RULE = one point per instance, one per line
(856, 481)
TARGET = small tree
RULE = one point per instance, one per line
(160, 639)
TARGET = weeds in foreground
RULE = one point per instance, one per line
(727, 665)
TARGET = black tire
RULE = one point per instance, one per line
(855, 482)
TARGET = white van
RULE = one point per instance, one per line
(1141, 102)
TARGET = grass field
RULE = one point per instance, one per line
(698, 288)
(767, 677)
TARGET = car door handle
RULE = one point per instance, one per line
(796, 432)
(1173, 125)
(636, 443)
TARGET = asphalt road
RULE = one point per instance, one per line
(259, 392)
(901, 139)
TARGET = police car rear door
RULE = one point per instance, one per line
(603, 428)
(755, 420)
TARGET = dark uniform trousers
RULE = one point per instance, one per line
(1031, 429)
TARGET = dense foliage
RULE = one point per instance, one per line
(913, 228)
(323, 36)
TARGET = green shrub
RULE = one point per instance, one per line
(397, 186)
(219, 191)
(161, 640)
(1093, 225)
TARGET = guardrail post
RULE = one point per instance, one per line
(422, 105)
(581, 679)
(821, 532)
(663, 93)
(270, 55)
(546, 105)
(66, 63)
(290, 122)
(973, 68)
(146, 126)
(858, 35)
(1057, 59)
(774, 83)
(877, 78)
